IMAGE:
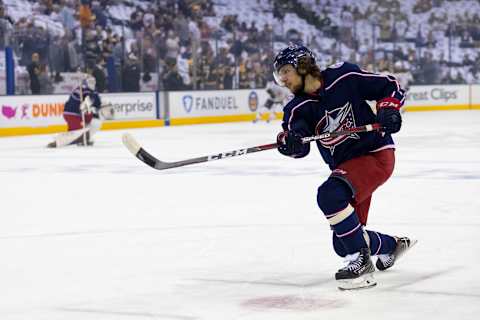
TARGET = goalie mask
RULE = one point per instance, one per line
(90, 82)
(300, 57)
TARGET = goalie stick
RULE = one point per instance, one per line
(137, 150)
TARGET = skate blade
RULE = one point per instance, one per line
(362, 282)
(412, 243)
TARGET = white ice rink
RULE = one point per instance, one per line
(95, 234)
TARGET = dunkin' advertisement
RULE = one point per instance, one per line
(42, 111)
(31, 111)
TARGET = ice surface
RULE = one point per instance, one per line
(93, 233)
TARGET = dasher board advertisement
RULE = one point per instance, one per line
(43, 110)
(31, 111)
(438, 97)
(187, 104)
(129, 106)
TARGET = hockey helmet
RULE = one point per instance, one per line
(292, 55)
(90, 82)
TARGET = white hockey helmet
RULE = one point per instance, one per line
(90, 82)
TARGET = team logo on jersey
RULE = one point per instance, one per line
(336, 120)
(187, 103)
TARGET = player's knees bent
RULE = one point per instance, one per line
(333, 195)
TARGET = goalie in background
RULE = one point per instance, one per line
(277, 96)
(83, 113)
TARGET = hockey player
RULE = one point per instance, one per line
(331, 100)
(82, 112)
(277, 95)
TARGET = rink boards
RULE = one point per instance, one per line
(452, 97)
(42, 114)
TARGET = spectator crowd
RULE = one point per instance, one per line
(204, 45)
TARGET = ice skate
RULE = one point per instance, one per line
(358, 273)
(52, 144)
(386, 261)
(82, 144)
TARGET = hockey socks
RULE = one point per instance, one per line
(379, 243)
(349, 230)
(333, 199)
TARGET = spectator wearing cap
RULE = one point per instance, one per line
(131, 74)
(171, 79)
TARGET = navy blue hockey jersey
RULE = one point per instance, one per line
(341, 104)
(72, 106)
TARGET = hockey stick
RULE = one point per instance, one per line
(84, 135)
(136, 149)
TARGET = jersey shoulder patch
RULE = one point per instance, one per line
(341, 69)
(336, 65)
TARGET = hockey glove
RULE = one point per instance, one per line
(290, 144)
(86, 105)
(388, 115)
(107, 112)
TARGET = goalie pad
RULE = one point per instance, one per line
(107, 112)
(65, 138)
(94, 126)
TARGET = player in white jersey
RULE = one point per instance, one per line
(277, 96)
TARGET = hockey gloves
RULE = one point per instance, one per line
(87, 105)
(290, 144)
(388, 115)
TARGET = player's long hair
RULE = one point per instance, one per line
(306, 65)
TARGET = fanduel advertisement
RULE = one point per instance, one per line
(186, 104)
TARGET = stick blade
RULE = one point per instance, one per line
(132, 145)
(136, 149)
